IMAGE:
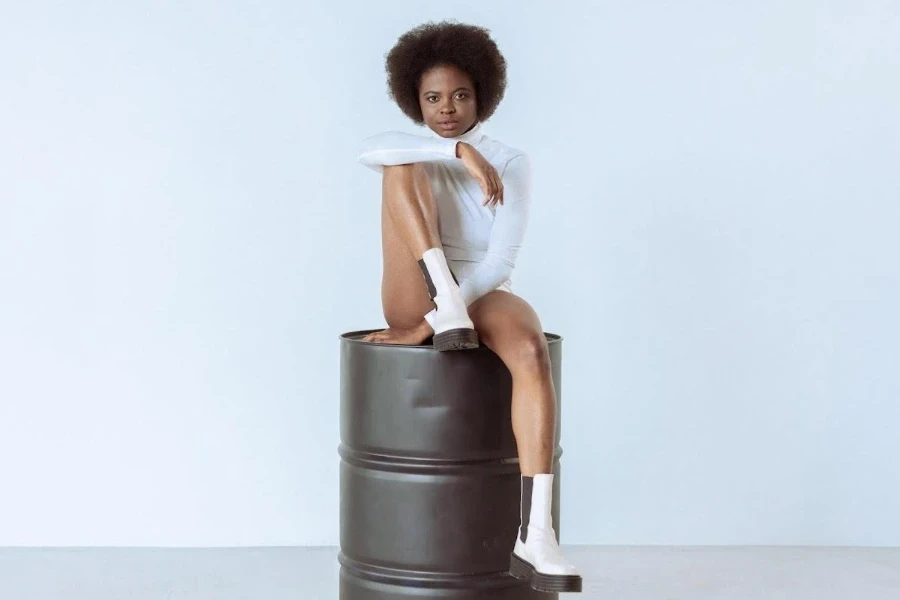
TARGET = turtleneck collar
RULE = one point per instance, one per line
(472, 136)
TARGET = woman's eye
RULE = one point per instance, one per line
(461, 95)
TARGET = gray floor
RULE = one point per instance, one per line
(610, 572)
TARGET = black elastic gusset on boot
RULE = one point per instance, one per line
(432, 292)
(527, 487)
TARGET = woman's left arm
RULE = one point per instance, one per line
(400, 148)
(507, 231)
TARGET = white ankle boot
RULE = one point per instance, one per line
(453, 329)
(536, 555)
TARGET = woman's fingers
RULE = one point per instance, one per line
(485, 186)
(490, 189)
(498, 188)
(491, 186)
(496, 194)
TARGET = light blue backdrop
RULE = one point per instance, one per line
(184, 233)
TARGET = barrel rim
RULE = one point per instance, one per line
(352, 337)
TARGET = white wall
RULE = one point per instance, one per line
(184, 233)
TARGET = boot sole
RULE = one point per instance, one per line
(456, 339)
(522, 569)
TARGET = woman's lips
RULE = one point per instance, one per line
(448, 124)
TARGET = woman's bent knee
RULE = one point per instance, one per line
(532, 353)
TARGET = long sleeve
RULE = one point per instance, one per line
(399, 148)
(507, 232)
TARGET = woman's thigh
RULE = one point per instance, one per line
(404, 293)
(509, 326)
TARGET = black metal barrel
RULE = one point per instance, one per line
(430, 480)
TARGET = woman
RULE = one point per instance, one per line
(454, 211)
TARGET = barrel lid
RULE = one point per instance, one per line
(356, 338)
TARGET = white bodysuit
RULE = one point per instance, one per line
(480, 243)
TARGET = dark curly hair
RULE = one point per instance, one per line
(468, 47)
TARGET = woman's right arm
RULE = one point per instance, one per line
(399, 148)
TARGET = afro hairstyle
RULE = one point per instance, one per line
(467, 47)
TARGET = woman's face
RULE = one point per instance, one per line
(447, 98)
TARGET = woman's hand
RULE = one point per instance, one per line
(395, 335)
(483, 171)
